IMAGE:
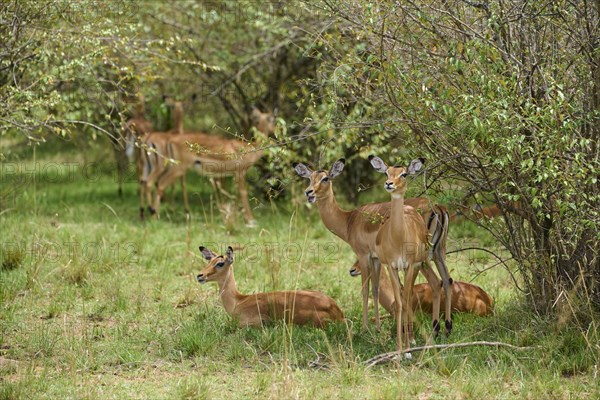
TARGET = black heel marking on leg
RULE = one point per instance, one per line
(436, 327)
(448, 327)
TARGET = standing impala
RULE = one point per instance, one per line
(135, 127)
(153, 158)
(215, 156)
(300, 307)
(359, 229)
(402, 244)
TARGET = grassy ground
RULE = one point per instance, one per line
(96, 304)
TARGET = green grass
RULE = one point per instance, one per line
(96, 304)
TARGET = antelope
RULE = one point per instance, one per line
(359, 229)
(152, 162)
(466, 297)
(217, 157)
(300, 307)
(135, 127)
(402, 243)
(479, 212)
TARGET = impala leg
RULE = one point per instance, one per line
(149, 199)
(446, 283)
(121, 166)
(386, 295)
(439, 258)
(241, 181)
(434, 283)
(142, 177)
(376, 269)
(142, 194)
(409, 282)
(365, 277)
(393, 273)
(166, 179)
(218, 185)
(154, 170)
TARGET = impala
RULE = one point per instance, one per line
(215, 157)
(135, 127)
(402, 243)
(359, 229)
(153, 158)
(300, 307)
(466, 297)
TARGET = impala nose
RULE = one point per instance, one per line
(309, 192)
(389, 185)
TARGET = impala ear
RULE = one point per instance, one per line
(416, 165)
(378, 164)
(337, 168)
(208, 255)
(302, 170)
(229, 255)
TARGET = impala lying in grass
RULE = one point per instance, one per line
(300, 307)
(466, 297)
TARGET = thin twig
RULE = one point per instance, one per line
(386, 357)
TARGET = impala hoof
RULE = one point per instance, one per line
(151, 210)
(448, 327)
(436, 328)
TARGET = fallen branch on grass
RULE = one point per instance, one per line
(386, 357)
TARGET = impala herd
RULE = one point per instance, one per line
(404, 234)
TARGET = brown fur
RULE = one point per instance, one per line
(478, 212)
(217, 157)
(136, 127)
(358, 227)
(153, 157)
(402, 244)
(300, 307)
(465, 298)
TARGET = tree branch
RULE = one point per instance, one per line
(387, 357)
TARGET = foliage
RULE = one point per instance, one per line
(504, 101)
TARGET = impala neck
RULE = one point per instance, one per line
(398, 222)
(228, 292)
(178, 120)
(334, 218)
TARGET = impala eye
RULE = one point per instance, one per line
(220, 264)
(326, 179)
(404, 174)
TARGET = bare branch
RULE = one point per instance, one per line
(391, 356)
